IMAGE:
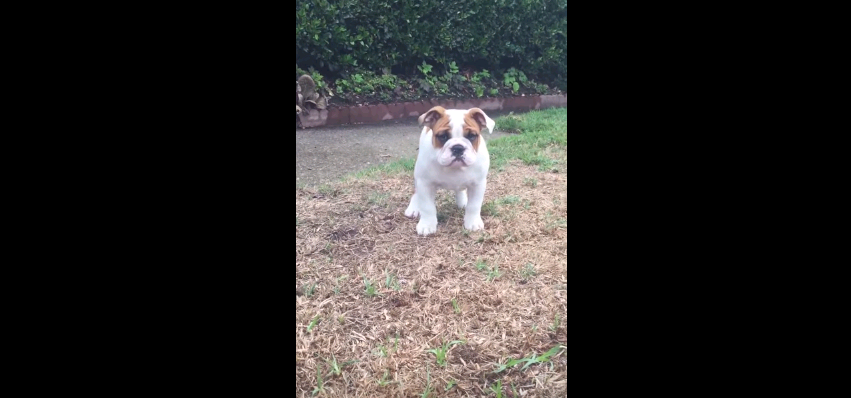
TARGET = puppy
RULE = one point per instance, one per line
(452, 155)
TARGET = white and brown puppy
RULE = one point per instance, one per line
(453, 156)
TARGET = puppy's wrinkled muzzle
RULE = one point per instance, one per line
(457, 152)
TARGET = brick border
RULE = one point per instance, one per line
(376, 113)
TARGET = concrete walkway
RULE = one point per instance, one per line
(325, 154)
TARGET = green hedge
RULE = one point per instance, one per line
(339, 37)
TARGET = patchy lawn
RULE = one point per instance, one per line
(383, 312)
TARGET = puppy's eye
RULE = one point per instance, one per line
(472, 137)
(443, 137)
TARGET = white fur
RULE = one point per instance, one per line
(435, 170)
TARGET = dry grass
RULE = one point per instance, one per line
(376, 304)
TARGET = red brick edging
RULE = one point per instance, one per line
(377, 113)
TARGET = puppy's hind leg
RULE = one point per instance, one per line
(413, 210)
(461, 198)
(472, 214)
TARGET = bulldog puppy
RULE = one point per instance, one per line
(452, 155)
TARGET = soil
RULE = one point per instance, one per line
(326, 154)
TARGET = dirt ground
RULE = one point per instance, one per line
(325, 154)
(375, 302)
(383, 312)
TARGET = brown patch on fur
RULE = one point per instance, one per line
(432, 116)
(472, 126)
(441, 128)
(478, 116)
(438, 122)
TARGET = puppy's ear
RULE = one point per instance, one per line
(482, 119)
(433, 115)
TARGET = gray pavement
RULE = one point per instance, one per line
(326, 154)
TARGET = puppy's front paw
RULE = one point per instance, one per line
(426, 228)
(474, 223)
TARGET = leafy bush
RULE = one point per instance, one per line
(339, 37)
(369, 85)
(365, 87)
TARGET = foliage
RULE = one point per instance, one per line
(363, 87)
(338, 37)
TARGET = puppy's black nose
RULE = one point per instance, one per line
(457, 149)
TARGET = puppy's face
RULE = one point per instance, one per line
(456, 134)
